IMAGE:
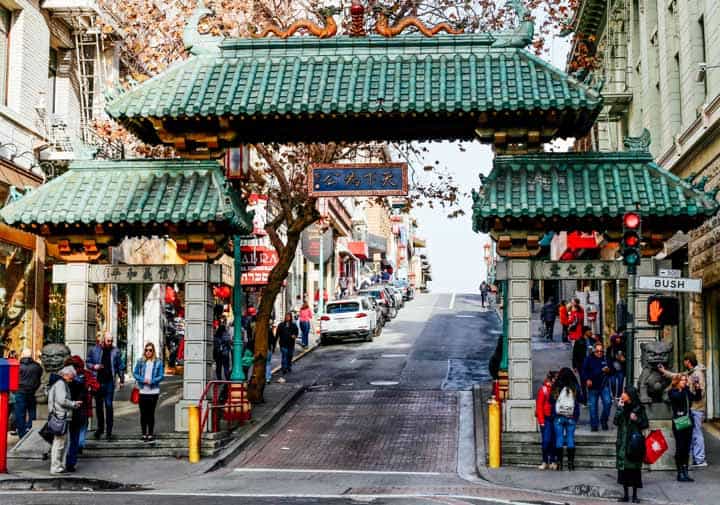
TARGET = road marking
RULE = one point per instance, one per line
(383, 383)
(464, 316)
(452, 302)
(399, 355)
(331, 471)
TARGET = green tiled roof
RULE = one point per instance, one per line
(580, 190)
(145, 194)
(352, 77)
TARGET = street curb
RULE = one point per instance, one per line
(238, 445)
(65, 484)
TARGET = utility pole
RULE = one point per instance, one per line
(321, 280)
(631, 243)
(237, 374)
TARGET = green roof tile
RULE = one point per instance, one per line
(343, 75)
(572, 188)
(141, 193)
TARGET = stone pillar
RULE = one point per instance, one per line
(80, 307)
(519, 408)
(647, 267)
(198, 339)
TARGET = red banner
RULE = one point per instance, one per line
(256, 263)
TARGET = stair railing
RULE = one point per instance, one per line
(223, 400)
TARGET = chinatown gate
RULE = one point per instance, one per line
(389, 86)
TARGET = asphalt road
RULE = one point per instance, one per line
(385, 422)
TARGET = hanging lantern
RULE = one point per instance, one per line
(222, 292)
(170, 295)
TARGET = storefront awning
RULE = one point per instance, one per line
(359, 249)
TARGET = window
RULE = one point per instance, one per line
(52, 80)
(703, 54)
(5, 19)
(342, 308)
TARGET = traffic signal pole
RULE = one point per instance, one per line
(630, 328)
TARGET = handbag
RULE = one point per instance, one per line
(45, 434)
(682, 423)
(135, 395)
(56, 425)
(655, 446)
(636, 447)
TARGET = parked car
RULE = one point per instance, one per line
(407, 290)
(382, 297)
(348, 318)
(379, 314)
(399, 299)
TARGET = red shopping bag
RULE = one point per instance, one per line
(135, 396)
(655, 446)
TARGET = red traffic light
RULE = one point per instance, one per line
(631, 239)
(631, 220)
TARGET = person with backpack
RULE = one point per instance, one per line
(630, 420)
(544, 414)
(222, 348)
(565, 394)
(564, 319)
(595, 374)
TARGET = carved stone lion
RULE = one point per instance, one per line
(652, 384)
(53, 356)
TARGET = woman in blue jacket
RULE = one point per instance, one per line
(148, 373)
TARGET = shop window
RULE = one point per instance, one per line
(16, 276)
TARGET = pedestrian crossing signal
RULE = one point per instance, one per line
(663, 310)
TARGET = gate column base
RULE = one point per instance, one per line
(519, 415)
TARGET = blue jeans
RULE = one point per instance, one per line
(24, 412)
(564, 432)
(593, 397)
(697, 443)
(268, 367)
(287, 355)
(74, 432)
(305, 331)
(617, 382)
(548, 440)
(104, 407)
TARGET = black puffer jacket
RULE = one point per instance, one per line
(30, 375)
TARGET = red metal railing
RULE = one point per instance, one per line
(233, 408)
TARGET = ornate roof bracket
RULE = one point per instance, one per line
(639, 144)
(328, 30)
(383, 27)
(195, 42)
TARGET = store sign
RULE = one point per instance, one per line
(256, 263)
(681, 285)
(358, 179)
(136, 274)
(310, 244)
(596, 269)
(258, 204)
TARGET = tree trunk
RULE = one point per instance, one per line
(276, 277)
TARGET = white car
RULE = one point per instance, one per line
(348, 318)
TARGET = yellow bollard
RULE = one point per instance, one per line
(494, 433)
(193, 434)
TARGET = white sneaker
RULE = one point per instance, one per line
(544, 466)
(700, 465)
(553, 466)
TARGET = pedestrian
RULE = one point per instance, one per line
(616, 357)
(25, 403)
(564, 319)
(286, 334)
(576, 320)
(272, 344)
(306, 316)
(61, 407)
(544, 413)
(596, 374)
(580, 351)
(565, 394)
(148, 374)
(81, 388)
(484, 288)
(104, 360)
(696, 373)
(630, 420)
(248, 323)
(547, 315)
(681, 398)
(222, 348)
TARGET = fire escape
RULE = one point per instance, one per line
(80, 140)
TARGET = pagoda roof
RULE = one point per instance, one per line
(587, 191)
(356, 89)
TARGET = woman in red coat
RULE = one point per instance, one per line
(576, 321)
(544, 414)
(564, 319)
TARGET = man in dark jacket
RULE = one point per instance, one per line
(25, 404)
(548, 314)
(596, 374)
(580, 351)
(287, 332)
(104, 361)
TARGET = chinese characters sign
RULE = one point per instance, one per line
(256, 263)
(136, 274)
(358, 179)
(562, 270)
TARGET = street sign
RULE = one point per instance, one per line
(670, 272)
(683, 285)
(358, 179)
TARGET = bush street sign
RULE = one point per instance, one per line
(358, 179)
(683, 285)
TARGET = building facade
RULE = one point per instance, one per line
(660, 62)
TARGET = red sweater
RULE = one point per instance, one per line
(543, 408)
(578, 315)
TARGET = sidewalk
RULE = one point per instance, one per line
(660, 486)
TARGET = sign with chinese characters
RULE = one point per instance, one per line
(358, 179)
(136, 274)
(256, 263)
(566, 270)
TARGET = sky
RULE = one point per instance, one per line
(454, 250)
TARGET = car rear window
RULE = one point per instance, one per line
(374, 293)
(341, 308)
